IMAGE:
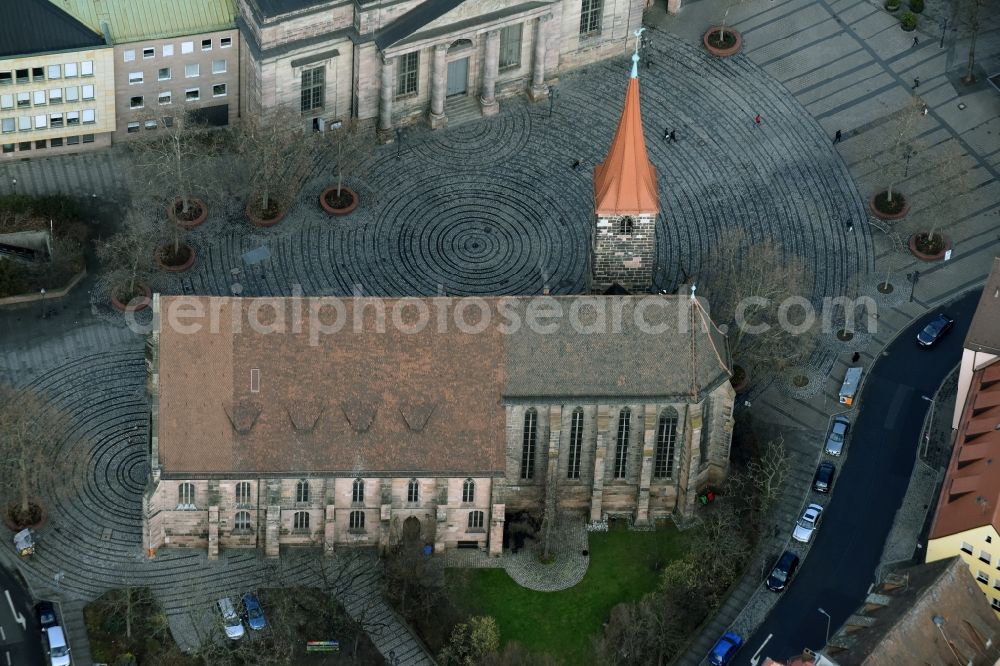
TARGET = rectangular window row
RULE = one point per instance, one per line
(167, 50)
(41, 144)
(191, 71)
(165, 97)
(24, 100)
(67, 70)
(43, 121)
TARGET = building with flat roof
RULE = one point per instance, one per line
(56, 82)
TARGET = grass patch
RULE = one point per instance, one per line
(624, 566)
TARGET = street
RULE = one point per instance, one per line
(20, 639)
(868, 490)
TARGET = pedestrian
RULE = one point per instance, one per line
(923, 111)
(673, 135)
(576, 164)
(837, 137)
(916, 81)
(916, 40)
(756, 120)
(855, 357)
(666, 134)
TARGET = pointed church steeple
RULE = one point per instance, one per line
(625, 182)
(626, 203)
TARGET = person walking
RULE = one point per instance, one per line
(855, 357)
(916, 81)
(576, 164)
(916, 41)
(673, 135)
(756, 120)
(837, 137)
(666, 134)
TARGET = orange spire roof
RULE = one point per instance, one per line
(625, 182)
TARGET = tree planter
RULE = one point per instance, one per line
(740, 378)
(136, 304)
(38, 516)
(892, 8)
(260, 221)
(197, 212)
(328, 201)
(921, 251)
(878, 205)
(175, 264)
(731, 46)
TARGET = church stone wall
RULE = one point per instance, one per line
(624, 258)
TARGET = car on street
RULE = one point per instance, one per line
(230, 619)
(725, 649)
(782, 572)
(46, 614)
(253, 612)
(823, 479)
(807, 524)
(58, 649)
(838, 435)
(936, 329)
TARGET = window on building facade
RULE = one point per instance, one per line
(72, 140)
(128, 55)
(135, 102)
(56, 120)
(37, 74)
(88, 138)
(575, 444)
(666, 440)
(55, 96)
(510, 46)
(356, 522)
(241, 523)
(148, 52)
(988, 539)
(87, 68)
(626, 225)
(134, 78)
(24, 145)
(476, 520)
(313, 88)
(56, 142)
(23, 100)
(22, 75)
(529, 438)
(71, 70)
(995, 604)
(302, 491)
(8, 125)
(621, 444)
(983, 577)
(985, 557)
(407, 69)
(164, 97)
(8, 147)
(225, 42)
(41, 121)
(41, 144)
(187, 47)
(358, 491)
(185, 496)
(243, 493)
(590, 16)
(167, 49)
(966, 548)
(72, 117)
(300, 520)
(6, 78)
(163, 74)
(168, 121)
(192, 94)
(219, 66)
(6, 101)
(55, 71)
(72, 94)
(132, 128)
(469, 491)
(206, 44)
(192, 70)
(219, 90)
(39, 98)
(88, 92)
(24, 123)
(703, 441)
(413, 491)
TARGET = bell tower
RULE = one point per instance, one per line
(626, 203)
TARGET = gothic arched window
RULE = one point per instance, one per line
(528, 441)
(626, 225)
(302, 491)
(469, 491)
(476, 520)
(666, 440)
(621, 446)
(358, 491)
(575, 444)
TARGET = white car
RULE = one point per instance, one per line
(230, 619)
(58, 650)
(808, 523)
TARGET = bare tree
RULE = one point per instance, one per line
(730, 5)
(352, 146)
(764, 479)
(753, 288)
(276, 157)
(970, 15)
(951, 181)
(902, 146)
(127, 255)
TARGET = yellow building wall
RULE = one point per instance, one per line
(103, 80)
(979, 548)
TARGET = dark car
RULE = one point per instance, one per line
(46, 614)
(253, 612)
(936, 329)
(782, 571)
(823, 480)
(725, 649)
(837, 435)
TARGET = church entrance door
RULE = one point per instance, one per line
(458, 77)
(411, 530)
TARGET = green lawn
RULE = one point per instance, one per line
(562, 623)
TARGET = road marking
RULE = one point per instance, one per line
(756, 655)
(8, 658)
(17, 616)
(3, 634)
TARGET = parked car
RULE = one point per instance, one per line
(936, 329)
(253, 612)
(782, 572)
(823, 480)
(230, 619)
(725, 649)
(46, 614)
(808, 523)
(58, 649)
(838, 435)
